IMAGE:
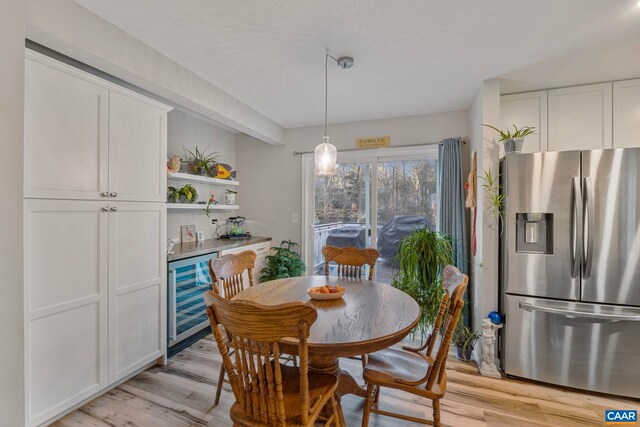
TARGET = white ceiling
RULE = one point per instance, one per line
(411, 56)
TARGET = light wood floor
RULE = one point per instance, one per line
(181, 394)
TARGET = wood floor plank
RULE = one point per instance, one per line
(181, 394)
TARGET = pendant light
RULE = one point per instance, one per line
(326, 153)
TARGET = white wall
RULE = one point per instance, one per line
(12, 30)
(484, 269)
(67, 27)
(185, 131)
(270, 177)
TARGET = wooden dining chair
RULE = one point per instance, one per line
(267, 392)
(227, 277)
(417, 370)
(351, 261)
(227, 272)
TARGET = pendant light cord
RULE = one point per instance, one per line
(326, 92)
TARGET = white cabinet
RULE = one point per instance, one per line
(65, 134)
(95, 230)
(89, 139)
(526, 109)
(80, 257)
(261, 250)
(580, 118)
(137, 283)
(137, 149)
(66, 271)
(626, 113)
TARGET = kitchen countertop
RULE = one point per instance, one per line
(188, 250)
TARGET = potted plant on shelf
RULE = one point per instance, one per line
(188, 194)
(200, 163)
(173, 196)
(285, 262)
(513, 141)
(465, 339)
(421, 258)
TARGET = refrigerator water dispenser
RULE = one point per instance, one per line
(534, 233)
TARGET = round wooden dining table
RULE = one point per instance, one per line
(371, 316)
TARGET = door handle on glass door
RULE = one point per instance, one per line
(576, 208)
(588, 226)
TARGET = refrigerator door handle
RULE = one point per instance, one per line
(588, 226)
(172, 307)
(576, 313)
(574, 228)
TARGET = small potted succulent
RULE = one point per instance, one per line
(465, 339)
(200, 163)
(513, 140)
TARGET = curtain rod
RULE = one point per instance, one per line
(299, 153)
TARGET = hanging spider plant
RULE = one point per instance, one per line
(494, 199)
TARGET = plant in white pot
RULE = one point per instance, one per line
(513, 140)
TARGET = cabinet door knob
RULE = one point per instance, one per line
(113, 209)
(105, 209)
(113, 194)
(104, 194)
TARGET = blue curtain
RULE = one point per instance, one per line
(451, 209)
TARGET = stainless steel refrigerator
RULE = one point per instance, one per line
(570, 269)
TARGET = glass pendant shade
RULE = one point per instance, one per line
(325, 156)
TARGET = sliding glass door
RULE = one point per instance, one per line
(375, 198)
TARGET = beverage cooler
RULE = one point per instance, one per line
(187, 319)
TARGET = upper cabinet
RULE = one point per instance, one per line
(89, 139)
(137, 147)
(526, 109)
(580, 118)
(66, 134)
(626, 113)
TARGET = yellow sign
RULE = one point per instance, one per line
(375, 142)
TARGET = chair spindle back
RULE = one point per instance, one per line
(227, 272)
(255, 374)
(351, 261)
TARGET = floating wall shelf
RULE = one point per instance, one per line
(201, 206)
(187, 177)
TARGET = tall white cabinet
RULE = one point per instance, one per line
(94, 230)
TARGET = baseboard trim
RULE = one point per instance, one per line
(98, 394)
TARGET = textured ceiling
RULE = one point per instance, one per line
(411, 56)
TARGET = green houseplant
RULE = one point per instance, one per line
(495, 200)
(513, 141)
(172, 195)
(421, 258)
(285, 262)
(465, 339)
(188, 194)
(200, 162)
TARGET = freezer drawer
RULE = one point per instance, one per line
(587, 346)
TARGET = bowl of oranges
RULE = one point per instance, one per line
(327, 292)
